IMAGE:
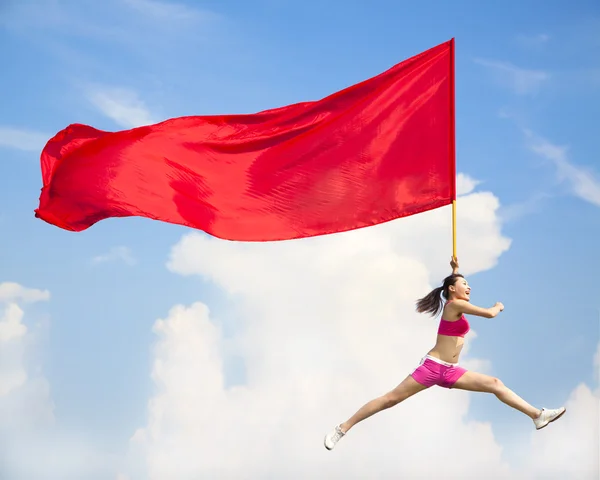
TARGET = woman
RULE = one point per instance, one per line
(440, 365)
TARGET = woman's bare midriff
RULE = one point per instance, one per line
(447, 348)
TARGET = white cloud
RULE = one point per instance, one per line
(323, 325)
(583, 182)
(24, 399)
(33, 445)
(120, 253)
(22, 139)
(571, 448)
(10, 291)
(522, 81)
(10, 325)
(597, 364)
(12, 330)
(56, 454)
(121, 105)
(465, 184)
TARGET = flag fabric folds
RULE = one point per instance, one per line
(370, 153)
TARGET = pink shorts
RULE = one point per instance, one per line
(433, 371)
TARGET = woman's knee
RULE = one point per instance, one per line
(391, 399)
(496, 386)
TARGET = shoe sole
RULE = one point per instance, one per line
(553, 420)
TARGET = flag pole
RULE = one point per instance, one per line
(452, 140)
(453, 228)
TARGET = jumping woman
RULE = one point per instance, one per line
(440, 365)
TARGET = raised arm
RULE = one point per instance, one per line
(454, 265)
(462, 306)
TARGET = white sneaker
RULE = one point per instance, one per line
(333, 437)
(548, 416)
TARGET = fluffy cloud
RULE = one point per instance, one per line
(24, 400)
(11, 292)
(465, 184)
(121, 105)
(571, 448)
(31, 443)
(120, 253)
(597, 365)
(322, 325)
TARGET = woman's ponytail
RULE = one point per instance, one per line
(431, 303)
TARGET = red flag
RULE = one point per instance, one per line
(375, 151)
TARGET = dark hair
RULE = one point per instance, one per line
(432, 303)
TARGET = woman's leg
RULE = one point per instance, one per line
(406, 389)
(478, 382)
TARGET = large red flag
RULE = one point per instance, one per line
(375, 151)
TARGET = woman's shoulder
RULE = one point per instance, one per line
(452, 311)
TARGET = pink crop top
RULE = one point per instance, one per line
(458, 328)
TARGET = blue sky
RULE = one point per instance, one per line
(528, 93)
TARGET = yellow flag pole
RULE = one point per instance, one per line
(454, 228)
(453, 142)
